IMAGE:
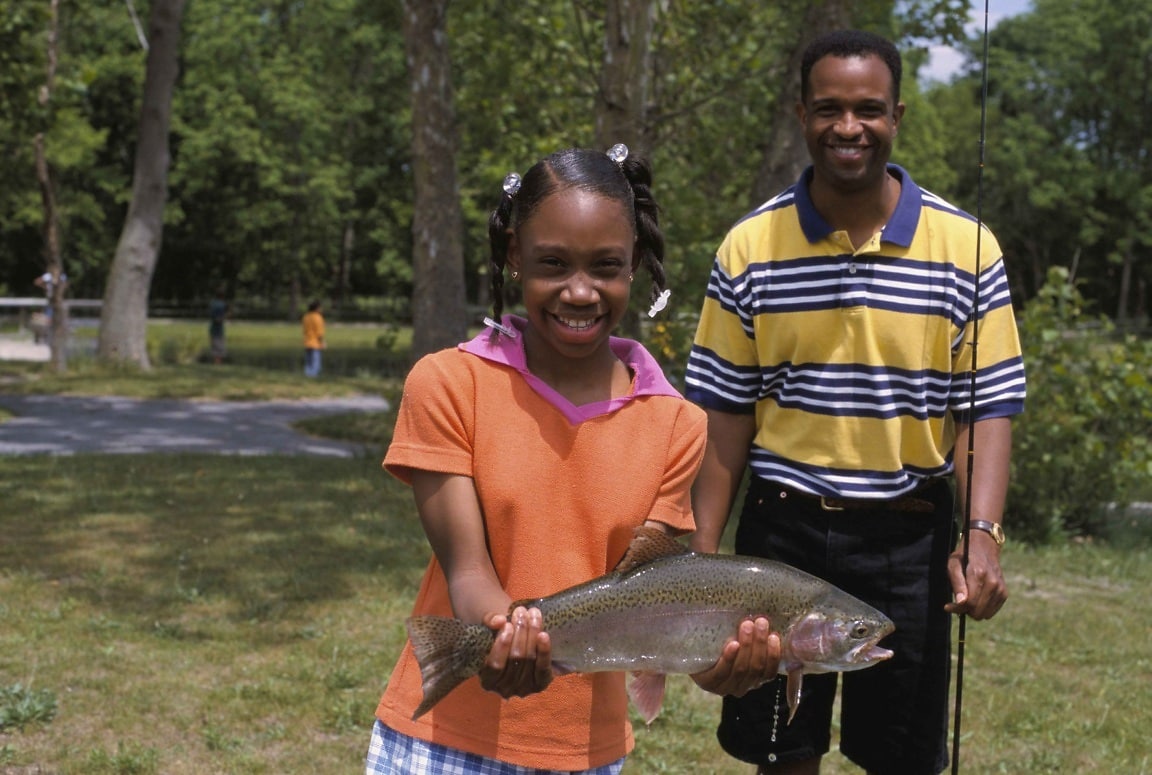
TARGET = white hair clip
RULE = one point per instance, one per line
(511, 183)
(618, 153)
(660, 303)
(508, 331)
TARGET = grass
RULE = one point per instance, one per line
(191, 615)
(200, 614)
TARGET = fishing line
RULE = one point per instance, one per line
(966, 529)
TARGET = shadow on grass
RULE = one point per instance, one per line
(174, 541)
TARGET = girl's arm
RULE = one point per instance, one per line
(520, 661)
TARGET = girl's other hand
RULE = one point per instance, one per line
(520, 661)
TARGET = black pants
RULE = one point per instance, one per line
(894, 715)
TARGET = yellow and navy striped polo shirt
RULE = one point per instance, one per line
(857, 363)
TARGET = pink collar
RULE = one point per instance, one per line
(649, 379)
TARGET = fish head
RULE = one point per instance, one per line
(830, 641)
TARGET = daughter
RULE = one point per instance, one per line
(533, 451)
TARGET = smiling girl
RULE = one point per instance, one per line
(533, 452)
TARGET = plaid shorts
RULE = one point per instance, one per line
(391, 753)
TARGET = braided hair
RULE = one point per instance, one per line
(628, 183)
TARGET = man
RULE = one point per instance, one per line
(833, 358)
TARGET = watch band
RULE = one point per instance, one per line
(992, 528)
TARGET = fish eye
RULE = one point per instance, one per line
(860, 630)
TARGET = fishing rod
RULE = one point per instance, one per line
(966, 529)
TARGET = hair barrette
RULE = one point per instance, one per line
(660, 303)
(511, 183)
(618, 153)
(508, 331)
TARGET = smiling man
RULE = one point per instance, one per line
(834, 361)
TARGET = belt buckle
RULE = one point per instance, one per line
(826, 504)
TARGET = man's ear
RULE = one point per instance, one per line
(897, 117)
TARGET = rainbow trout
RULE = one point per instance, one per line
(662, 610)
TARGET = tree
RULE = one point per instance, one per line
(622, 109)
(124, 317)
(53, 265)
(1069, 178)
(439, 317)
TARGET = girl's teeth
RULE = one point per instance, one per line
(578, 325)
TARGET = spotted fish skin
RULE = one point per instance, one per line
(666, 610)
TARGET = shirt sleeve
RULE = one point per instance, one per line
(1000, 382)
(436, 422)
(723, 369)
(685, 454)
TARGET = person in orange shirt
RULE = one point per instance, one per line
(313, 324)
(533, 451)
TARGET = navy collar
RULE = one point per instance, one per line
(899, 230)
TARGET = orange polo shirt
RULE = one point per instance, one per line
(561, 488)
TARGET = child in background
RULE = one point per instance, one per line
(313, 325)
(533, 451)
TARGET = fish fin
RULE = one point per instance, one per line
(648, 544)
(647, 693)
(448, 651)
(795, 681)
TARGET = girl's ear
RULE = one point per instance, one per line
(512, 259)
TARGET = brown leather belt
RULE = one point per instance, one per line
(906, 503)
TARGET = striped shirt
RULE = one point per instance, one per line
(856, 362)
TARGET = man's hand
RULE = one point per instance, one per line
(981, 591)
(747, 662)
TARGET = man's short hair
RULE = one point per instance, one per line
(850, 43)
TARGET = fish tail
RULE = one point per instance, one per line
(449, 652)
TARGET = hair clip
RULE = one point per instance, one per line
(508, 331)
(660, 303)
(511, 183)
(618, 153)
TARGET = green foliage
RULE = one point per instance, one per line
(1082, 446)
(129, 759)
(21, 705)
(1067, 148)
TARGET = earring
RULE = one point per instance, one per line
(515, 275)
(630, 277)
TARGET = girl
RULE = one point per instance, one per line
(533, 451)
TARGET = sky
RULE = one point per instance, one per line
(944, 62)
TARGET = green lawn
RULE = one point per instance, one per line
(201, 614)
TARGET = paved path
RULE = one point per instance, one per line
(23, 348)
(63, 425)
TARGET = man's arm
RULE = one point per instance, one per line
(725, 457)
(982, 590)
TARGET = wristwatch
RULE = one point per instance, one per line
(992, 528)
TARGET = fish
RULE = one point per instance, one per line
(667, 610)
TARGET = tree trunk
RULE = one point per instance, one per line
(439, 315)
(622, 107)
(784, 153)
(622, 110)
(53, 264)
(124, 317)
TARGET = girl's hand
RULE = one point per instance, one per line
(520, 661)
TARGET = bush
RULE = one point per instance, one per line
(1082, 445)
